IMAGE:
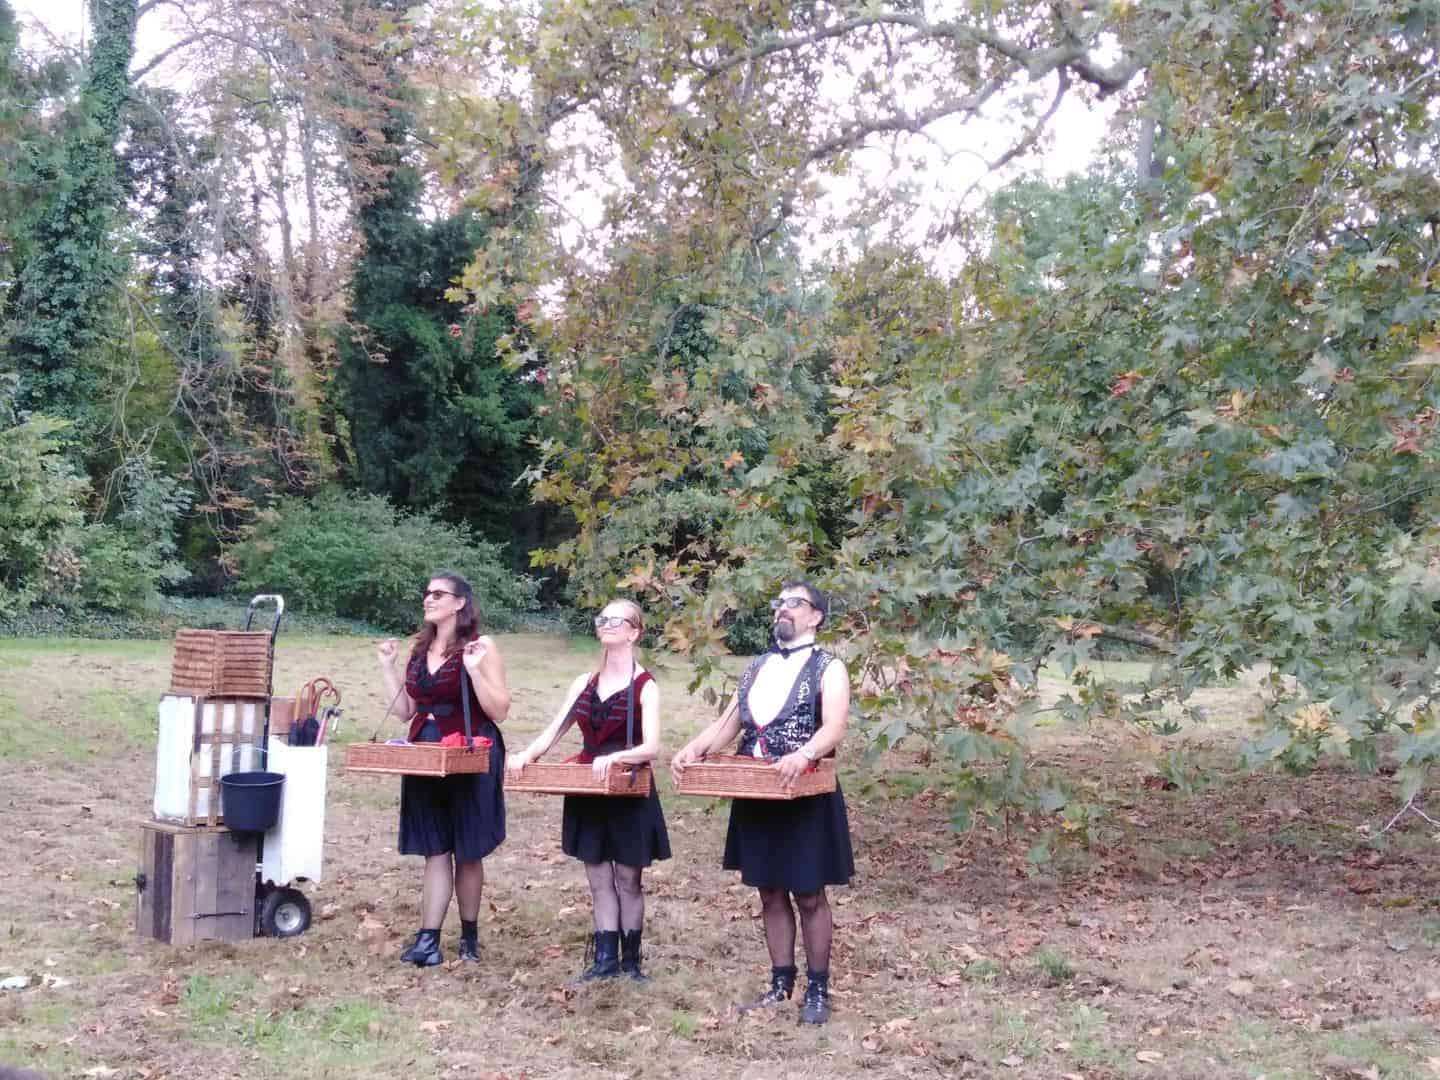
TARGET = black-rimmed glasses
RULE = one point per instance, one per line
(791, 602)
(602, 621)
(434, 594)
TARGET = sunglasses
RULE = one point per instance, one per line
(791, 602)
(602, 621)
(434, 594)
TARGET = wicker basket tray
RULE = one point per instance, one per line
(221, 663)
(731, 777)
(417, 759)
(573, 778)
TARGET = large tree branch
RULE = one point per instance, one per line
(1135, 637)
(1074, 52)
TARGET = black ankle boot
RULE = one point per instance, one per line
(606, 965)
(469, 941)
(782, 985)
(630, 956)
(425, 952)
(816, 1009)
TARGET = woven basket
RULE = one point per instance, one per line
(221, 663)
(731, 777)
(572, 778)
(417, 759)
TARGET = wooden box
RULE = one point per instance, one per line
(418, 759)
(198, 741)
(195, 884)
(282, 716)
(573, 778)
(221, 663)
(731, 777)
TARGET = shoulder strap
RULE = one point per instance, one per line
(630, 709)
(465, 701)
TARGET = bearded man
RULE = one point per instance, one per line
(791, 708)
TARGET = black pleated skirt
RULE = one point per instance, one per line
(463, 814)
(800, 845)
(614, 828)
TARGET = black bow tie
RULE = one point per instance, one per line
(785, 653)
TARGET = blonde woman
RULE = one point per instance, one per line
(617, 709)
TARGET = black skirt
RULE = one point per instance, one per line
(800, 845)
(463, 814)
(614, 828)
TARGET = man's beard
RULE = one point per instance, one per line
(784, 630)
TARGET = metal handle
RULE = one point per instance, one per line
(255, 602)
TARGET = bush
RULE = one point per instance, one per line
(160, 621)
(40, 499)
(119, 570)
(358, 557)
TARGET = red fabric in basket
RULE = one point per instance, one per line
(456, 738)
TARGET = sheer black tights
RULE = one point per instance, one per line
(617, 894)
(816, 925)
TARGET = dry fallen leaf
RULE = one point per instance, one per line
(1013, 1060)
(1149, 1057)
(434, 1027)
(1241, 988)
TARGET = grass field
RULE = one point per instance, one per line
(1237, 926)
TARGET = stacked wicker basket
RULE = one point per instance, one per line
(221, 663)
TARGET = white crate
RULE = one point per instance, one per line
(198, 741)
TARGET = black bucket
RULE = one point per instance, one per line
(250, 801)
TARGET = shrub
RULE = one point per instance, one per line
(358, 557)
(40, 499)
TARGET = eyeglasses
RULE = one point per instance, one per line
(434, 594)
(791, 602)
(602, 621)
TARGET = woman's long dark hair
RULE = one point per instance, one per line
(467, 619)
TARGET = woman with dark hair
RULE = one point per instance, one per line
(617, 709)
(453, 821)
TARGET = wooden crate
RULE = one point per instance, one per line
(732, 777)
(573, 778)
(417, 759)
(221, 663)
(199, 741)
(282, 715)
(195, 884)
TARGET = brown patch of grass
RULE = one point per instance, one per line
(1257, 925)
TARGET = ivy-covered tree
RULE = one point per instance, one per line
(31, 125)
(67, 286)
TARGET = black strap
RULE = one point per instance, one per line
(465, 701)
(630, 709)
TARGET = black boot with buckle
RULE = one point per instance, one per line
(425, 952)
(606, 951)
(816, 1009)
(782, 985)
(630, 956)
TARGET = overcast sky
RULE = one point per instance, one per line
(944, 166)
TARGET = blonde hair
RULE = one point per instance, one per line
(633, 611)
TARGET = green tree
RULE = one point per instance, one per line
(1189, 408)
(69, 280)
(435, 420)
